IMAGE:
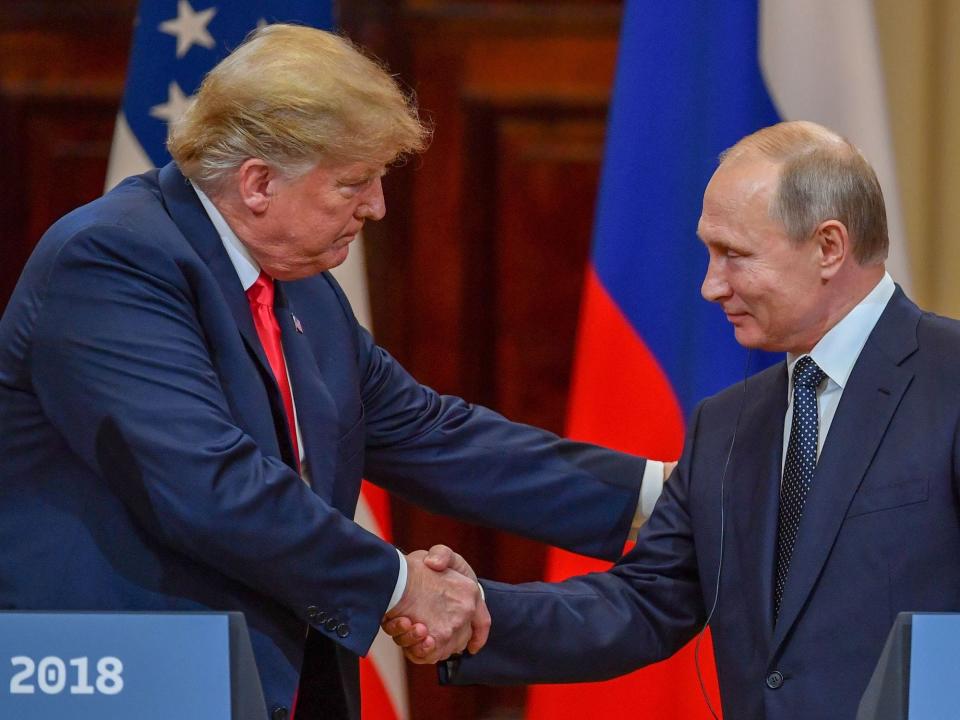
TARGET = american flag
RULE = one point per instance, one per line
(175, 43)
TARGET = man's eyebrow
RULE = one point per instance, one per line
(705, 240)
(362, 177)
(718, 243)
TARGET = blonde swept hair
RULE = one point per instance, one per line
(823, 176)
(294, 96)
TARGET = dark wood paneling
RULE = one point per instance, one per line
(61, 79)
(546, 186)
(75, 19)
(482, 255)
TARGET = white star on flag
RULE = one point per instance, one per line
(175, 105)
(190, 28)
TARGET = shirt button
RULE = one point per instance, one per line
(331, 624)
(343, 630)
(774, 680)
(279, 713)
(312, 612)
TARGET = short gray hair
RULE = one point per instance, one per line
(822, 177)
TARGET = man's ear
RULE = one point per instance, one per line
(256, 184)
(833, 242)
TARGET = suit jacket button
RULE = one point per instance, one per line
(312, 612)
(774, 680)
(331, 624)
(343, 630)
(279, 712)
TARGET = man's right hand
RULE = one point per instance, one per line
(441, 612)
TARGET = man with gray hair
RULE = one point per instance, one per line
(187, 404)
(813, 502)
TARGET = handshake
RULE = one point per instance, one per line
(442, 611)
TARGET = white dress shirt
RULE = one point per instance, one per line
(836, 354)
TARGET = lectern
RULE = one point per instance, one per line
(150, 666)
(918, 674)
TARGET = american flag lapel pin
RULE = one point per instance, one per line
(297, 324)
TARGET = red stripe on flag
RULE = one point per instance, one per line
(620, 397)
(379, 503)
(375, 703)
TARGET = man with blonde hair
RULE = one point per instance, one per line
(813, 501)
(187, 403)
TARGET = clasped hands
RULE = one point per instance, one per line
(442, 611)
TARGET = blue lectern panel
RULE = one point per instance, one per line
(96, 666)
(934, 667)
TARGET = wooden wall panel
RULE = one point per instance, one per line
(546, 185)
(69, 144)
(479, 263)
(62, 67)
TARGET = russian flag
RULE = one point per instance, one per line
(692, 79)
(175, 43)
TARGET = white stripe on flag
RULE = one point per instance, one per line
(386, 656)
(127, 156)
(352, 276)
(821, 62)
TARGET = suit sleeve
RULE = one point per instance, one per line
(122, 369)
(601, 625)
(466, 461)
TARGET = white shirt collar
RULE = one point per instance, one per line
(247, 268)
(838, 350)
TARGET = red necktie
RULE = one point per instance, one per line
(260, 296)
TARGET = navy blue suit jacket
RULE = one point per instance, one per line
(145, 461)
(880, 534)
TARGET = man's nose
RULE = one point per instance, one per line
(714, 287)
(373, 207)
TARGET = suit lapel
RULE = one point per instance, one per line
(316, 409)
(188, 214)
(754, 489)
(867, 406)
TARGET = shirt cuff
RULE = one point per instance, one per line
(650, 489)
(401, 583)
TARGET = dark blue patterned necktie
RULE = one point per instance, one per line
(799, 466)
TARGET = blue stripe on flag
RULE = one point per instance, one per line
(688, 86)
